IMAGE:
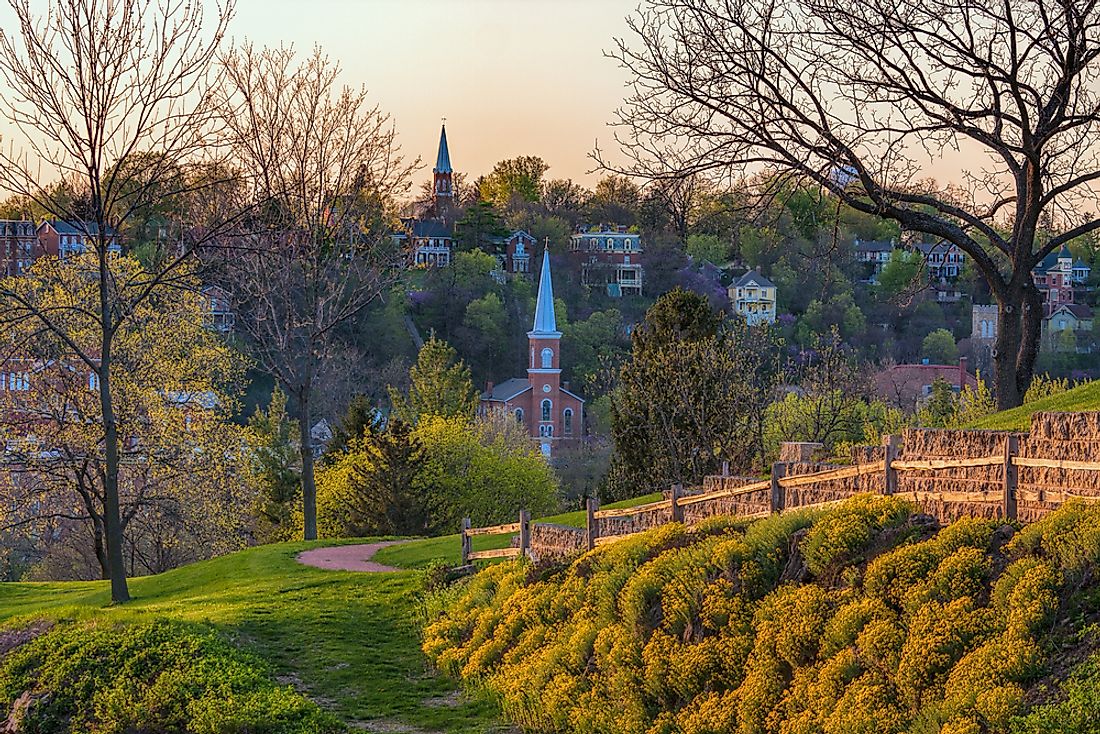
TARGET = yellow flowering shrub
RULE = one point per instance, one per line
(689, 631)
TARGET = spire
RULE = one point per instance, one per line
(443, 160)
(545, 324)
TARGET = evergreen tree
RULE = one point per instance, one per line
(386, 496)
(360, 417)
(274, 469)
(440, 385)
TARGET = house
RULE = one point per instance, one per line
(430, 238)
(1068, 319)
(518, 247)
(907, 386)
(942, 259)
(1054, 277)
(62, 239)
(218, 311)
(610, 257)
(874, 255)
(1080, 273)
(541, 402)
(753, 296)
(18, 246)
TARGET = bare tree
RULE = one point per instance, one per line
(92, 86)
(857, 97)
(325, 171)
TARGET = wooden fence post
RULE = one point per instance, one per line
(465, 541)
(591, 522)
(725, 468)
(779, 469)
(677, 511)
(1011, 476)
(890, 445)
(524, 533)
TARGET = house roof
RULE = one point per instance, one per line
(90, 229)
(545, 323)
(753, 278)
(429, 228)
(875, 245)
(1079, 310)
(1081, 265)
(443, 159)
(929, 247)
(1050, 262)
(521, 233)
(507, 389)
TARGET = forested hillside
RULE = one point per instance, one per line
(863, 618)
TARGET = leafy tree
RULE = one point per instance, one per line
(707, 247)
(900, 273)
(514, 179)
(179, 471)
(563, 198)
(939, 347)
(274, 469)
(439, 386)
(480, 228)
(692, 395)
(615, 201)
(594, 345)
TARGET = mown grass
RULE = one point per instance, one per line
(447, 548)
(1085, 397)
(349, 640)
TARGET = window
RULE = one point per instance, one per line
(546, 431)
(519, 415)
(546, 407)
(93, 381)
(567, 421)
(547, 361)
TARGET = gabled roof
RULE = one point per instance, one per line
(545, 323)
(753, 278)
(520, 233)
(1079, 310)
(90, 229)
(1081, 265)
(929, 247)
(508, 389)
(443, 159)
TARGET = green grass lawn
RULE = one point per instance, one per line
(1083, 398)
(447, 548)
(348, 640)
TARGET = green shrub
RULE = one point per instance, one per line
(1075, 713)
(840, 537)
(159, 676)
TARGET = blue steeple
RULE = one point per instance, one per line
(443, 160)
(545, 323)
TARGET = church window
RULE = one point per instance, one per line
(547, 358)
(546, 407)
(567, 421)
(519, 415)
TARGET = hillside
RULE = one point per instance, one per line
(348, 641)
(1083, 398)
(865, 618)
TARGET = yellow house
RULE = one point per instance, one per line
(753, 296)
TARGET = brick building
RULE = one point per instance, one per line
(541, 402)
(611, 257)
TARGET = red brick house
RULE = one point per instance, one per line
(62, 239)
(551, 413)
(18, 246)
(611, 258)
(906, 386)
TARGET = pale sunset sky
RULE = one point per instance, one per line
(512, 77)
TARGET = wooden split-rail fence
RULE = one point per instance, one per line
(889, 469)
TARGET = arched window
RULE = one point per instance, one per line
(546, 431)
(546, 406)
(519, 415)
(547, 359)
(567, 421)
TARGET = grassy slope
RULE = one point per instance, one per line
(351, 640)
(1085, 397)
(420, 553)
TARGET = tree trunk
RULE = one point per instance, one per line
(112, 518)
(309, 485)
(1019, 324)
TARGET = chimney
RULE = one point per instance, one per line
(962, 373)
(565, 386)
(489, 388)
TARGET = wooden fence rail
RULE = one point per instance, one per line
(890, 468)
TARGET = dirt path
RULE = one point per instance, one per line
(348, 557)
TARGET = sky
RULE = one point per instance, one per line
(512, 77)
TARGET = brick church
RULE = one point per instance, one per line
(540, 401)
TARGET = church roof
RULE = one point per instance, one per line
(545, 323)
(443, 160)
(507, 389)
